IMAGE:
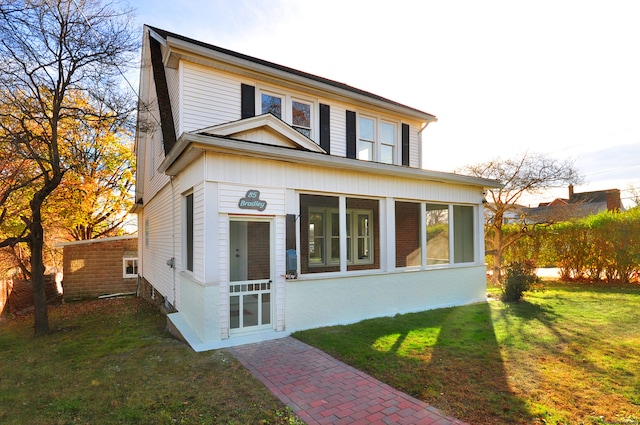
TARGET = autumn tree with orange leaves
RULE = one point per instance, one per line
(52, 54)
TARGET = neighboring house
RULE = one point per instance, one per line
(270, 200)
(97, 267)
(578, 205)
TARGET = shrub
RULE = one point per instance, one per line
(520, 277)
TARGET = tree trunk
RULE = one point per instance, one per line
(497, 256)
(41, 316)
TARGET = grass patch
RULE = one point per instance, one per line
(567, 355)
(111, 362)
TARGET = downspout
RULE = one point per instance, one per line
(173, 245)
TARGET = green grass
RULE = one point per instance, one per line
(567, 355)
(111, 362)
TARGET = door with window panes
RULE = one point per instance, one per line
(250, 275)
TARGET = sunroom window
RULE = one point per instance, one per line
(437, 234)
(324, 225)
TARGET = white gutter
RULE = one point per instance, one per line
(190, 146)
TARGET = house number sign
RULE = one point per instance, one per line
(252, 201)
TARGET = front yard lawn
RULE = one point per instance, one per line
(111, 362)
(567, 355)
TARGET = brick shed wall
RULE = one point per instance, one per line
(95, 268)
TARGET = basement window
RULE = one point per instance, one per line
(129, 267)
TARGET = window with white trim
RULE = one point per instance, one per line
(437, 234)
(376, 140)
(297, 112)
(387, 142)
(324, 237)
(129, 267)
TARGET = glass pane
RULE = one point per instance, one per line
(387, 133)
(250, 310)
(349, 250)
(234, 312)
(304, 131)
(437, 234)
(335, 224)
(301, 114)
(386, 154)
(367, 128)
(363, 225)
(272, 104)
(258, 250)
(363, 248)
(316, 228)
(266, 309)
(365, 150)
(316, 251)
(335, 250)
(463, 234)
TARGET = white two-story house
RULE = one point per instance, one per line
(271, 200)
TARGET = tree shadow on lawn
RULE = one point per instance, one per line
(450, 358)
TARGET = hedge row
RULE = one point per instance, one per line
(605, 246)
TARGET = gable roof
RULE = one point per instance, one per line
(188, 44)
(266, 129)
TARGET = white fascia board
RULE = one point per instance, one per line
(261, 121)
(180, 49)
(190, 146)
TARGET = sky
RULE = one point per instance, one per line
(504, 78)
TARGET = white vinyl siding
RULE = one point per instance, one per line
(173, 85)
(304, 177)
(158, 217)
(338, 126)
(209, 97)
(414, 147)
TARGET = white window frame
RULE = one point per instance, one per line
(287, 108)
(377, 144)
(351, 239)
(126, 275)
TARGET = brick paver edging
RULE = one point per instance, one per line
(323, 390)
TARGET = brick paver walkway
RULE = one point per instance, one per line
(323, 390)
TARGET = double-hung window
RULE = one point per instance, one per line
(376, 140)
(301, 117)
(271, 104)
(367, 139)
(324, 237)
(387, 142)
(295, 112)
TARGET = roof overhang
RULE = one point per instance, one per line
(178, 48)
(190, 146)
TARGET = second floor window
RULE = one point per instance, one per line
(301, 117)
(295, 112)
(376, 141)
(272, 104)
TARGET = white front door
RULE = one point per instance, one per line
(250, 274)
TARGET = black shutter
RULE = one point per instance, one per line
(405, 144)
(247, 101)
(351, 134)
(290, 232)
(325, 131)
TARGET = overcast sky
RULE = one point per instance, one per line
(503, 77)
